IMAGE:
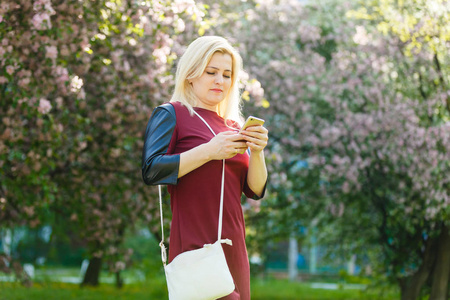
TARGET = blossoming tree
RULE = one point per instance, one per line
(359, 119)
(78, 81)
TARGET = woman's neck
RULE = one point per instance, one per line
(208, 107)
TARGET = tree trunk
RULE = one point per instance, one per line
(410, 286)
(441, 272)
(93, 272)
(292, 258)
(119, 280)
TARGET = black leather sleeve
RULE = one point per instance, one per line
(256, 197)
(250, 194)
(158, 167)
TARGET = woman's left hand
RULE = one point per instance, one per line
(256, 138)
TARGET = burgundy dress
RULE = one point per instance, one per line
(195, 199)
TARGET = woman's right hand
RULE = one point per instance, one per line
(226, 145)
(223, 146)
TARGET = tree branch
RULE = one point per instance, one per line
(441, 78)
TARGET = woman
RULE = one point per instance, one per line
(181, 151)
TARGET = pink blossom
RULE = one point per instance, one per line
(161, 54)
(23, 100)
(38, 4)
(255, 205)
(24, 73)
(82, 145)
(291, 99)
(84, 43)
(82, 94)
(44, 106)
(346, 187)
(309, 32)
(255, 89)
(120, 265)
(51, 52)
(3, 80)
(49, 8)
(24, 82)
(61, 73)
(59, 102)
(43, 4)
(29, 210)
(187, 6)
(41, 21)
(37, 21)
(1, 18)
(361, 36)
(5, 6)
(313, 139)
(126, 66)
(98, 253)
(243, 75)
(10, 70)
(65, 50)
(180, 25)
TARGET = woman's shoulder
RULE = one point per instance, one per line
(167, 107)
(179, 107)
(163, 114)
(171, 108)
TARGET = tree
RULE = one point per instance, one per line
(359, 125)
(78, 81)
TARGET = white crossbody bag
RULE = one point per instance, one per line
(200, 274)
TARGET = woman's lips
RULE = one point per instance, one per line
(216, 90)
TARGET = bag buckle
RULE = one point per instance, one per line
(163, 253)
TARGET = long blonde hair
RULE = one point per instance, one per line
(192, 65)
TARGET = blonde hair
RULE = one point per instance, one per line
(192, 65)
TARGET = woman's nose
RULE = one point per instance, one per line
(219, 79)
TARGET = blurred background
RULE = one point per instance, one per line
(356, 98)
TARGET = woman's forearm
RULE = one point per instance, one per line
(257, 172)
(192, 159)
(224, 145)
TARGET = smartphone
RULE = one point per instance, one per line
(252, 121)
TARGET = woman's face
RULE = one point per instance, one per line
(213, 85)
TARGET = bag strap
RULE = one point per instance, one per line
(219, 229)
(161, 244)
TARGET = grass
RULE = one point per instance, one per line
(286, 290)
(262, 289)
(67, 291)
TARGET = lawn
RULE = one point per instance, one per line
(262, 289)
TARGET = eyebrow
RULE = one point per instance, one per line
(217, 68)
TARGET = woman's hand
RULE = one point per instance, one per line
(256, 138)
(226, 145)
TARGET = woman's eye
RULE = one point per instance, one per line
(214, 73)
